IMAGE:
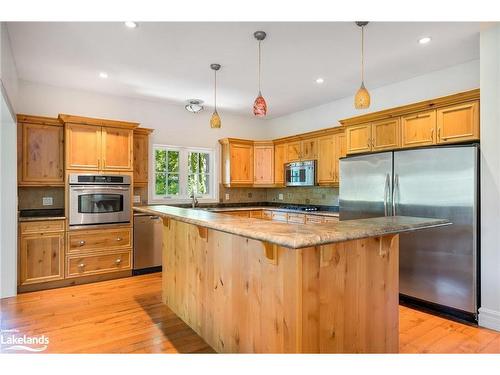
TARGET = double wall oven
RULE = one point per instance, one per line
(99, 199)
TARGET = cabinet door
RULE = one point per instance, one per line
(309, 149)
(141, 158)
(418, 129)
(326, 160)
(458, 123)
(116, 149)
(83, 147)
(42, 154)
(263, 165)
(359, 138)
(293, 151)
(41, 257)
(386, 134)
(241, 163)
(340, 149)
(279, 163)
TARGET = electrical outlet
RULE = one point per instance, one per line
(47, 201)
(137, 199)
(226, 197)
(280, 196)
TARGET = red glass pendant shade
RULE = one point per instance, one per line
(260, 106)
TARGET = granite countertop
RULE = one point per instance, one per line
(41, 218)
(270, 208)
(295, 236)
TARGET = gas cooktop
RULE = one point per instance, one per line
(300, 208)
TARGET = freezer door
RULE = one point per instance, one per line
(439, 265)
(366, 186)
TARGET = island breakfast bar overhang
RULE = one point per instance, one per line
(254, 286)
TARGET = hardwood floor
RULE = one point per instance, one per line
(127, 316)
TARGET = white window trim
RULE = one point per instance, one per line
(183, 173)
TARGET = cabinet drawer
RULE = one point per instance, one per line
(256, 214)
(297, 218)
(237, 213)
(91, 264)
(331, 219)
(42, 226)
(267, 215)
(314, 219)
(99, 239)
(279, 216)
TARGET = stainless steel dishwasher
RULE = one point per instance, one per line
(148, 231)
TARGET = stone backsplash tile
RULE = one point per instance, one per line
(242, 195)
(30, 198)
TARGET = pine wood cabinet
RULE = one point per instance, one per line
(359, 138)
(330, 149)
(340, 151)
(306, 149)
(141, 156)
(40, 151)
(279, 163)
(98, 145)
(41, 252)
(386, 134)
(458, 123)
(263, 163)
(237, 162)
(293, 151)
(419, 129)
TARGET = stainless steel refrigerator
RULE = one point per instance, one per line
(438, 267)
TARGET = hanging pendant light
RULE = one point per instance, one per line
(259, 105)
(215, 122)
(362, 97)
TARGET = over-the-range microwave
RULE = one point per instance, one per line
(300, 173)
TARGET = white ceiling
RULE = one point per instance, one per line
(170, 61)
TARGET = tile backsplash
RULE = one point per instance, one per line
(316, 195)
(30, 198)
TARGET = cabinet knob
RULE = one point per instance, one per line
(119, 238)
(118, 261)
(81, 265)
(81, 243)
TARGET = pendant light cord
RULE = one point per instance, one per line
(362, 54)
(215, 90)
(259, 66)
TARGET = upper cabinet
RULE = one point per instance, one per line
(279, 163)
(98, 145)
(263, 154)
(331, 148)
(458, 123)
(237, 162)
(40, 151)
(449, 119)
(306, 149)
(418, 129)
(141, 156)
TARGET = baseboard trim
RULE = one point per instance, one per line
(489, 318)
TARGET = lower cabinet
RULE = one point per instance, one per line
(91, 264)
(41, 252)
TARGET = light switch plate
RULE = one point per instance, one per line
(137, 199)
(47, 201)
(280, 196)
(226, 197)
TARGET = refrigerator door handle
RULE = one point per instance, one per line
(386, 191)
(395, 188)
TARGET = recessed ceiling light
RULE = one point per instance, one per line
(320, 80)
(425, 40)
(194, 105)
(131, 24)
(103, 75)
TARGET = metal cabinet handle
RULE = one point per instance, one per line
(118, 261)
(119, 238)
(432, 134)
(439, 134)
(81, 265)
(81, 243)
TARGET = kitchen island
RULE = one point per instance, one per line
(253, 286)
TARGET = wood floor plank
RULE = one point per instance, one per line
(128, 316)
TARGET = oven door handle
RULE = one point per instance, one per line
(99, 188)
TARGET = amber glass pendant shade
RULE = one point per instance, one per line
(260, 106)
(215, 121)
(362, 98)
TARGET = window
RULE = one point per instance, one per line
(181, 172)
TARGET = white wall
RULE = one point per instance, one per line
(489, 313)
(8, 71)
(439, 83)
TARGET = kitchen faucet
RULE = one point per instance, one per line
(194, 201)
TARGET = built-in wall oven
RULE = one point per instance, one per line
(99, 199)
(300, 173)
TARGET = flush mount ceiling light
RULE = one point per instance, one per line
(215, 122)
(424, 40)
(319, 81)
(131, 24)
(194, 105)
(103, 75)
(362, 97)
(259, 105)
